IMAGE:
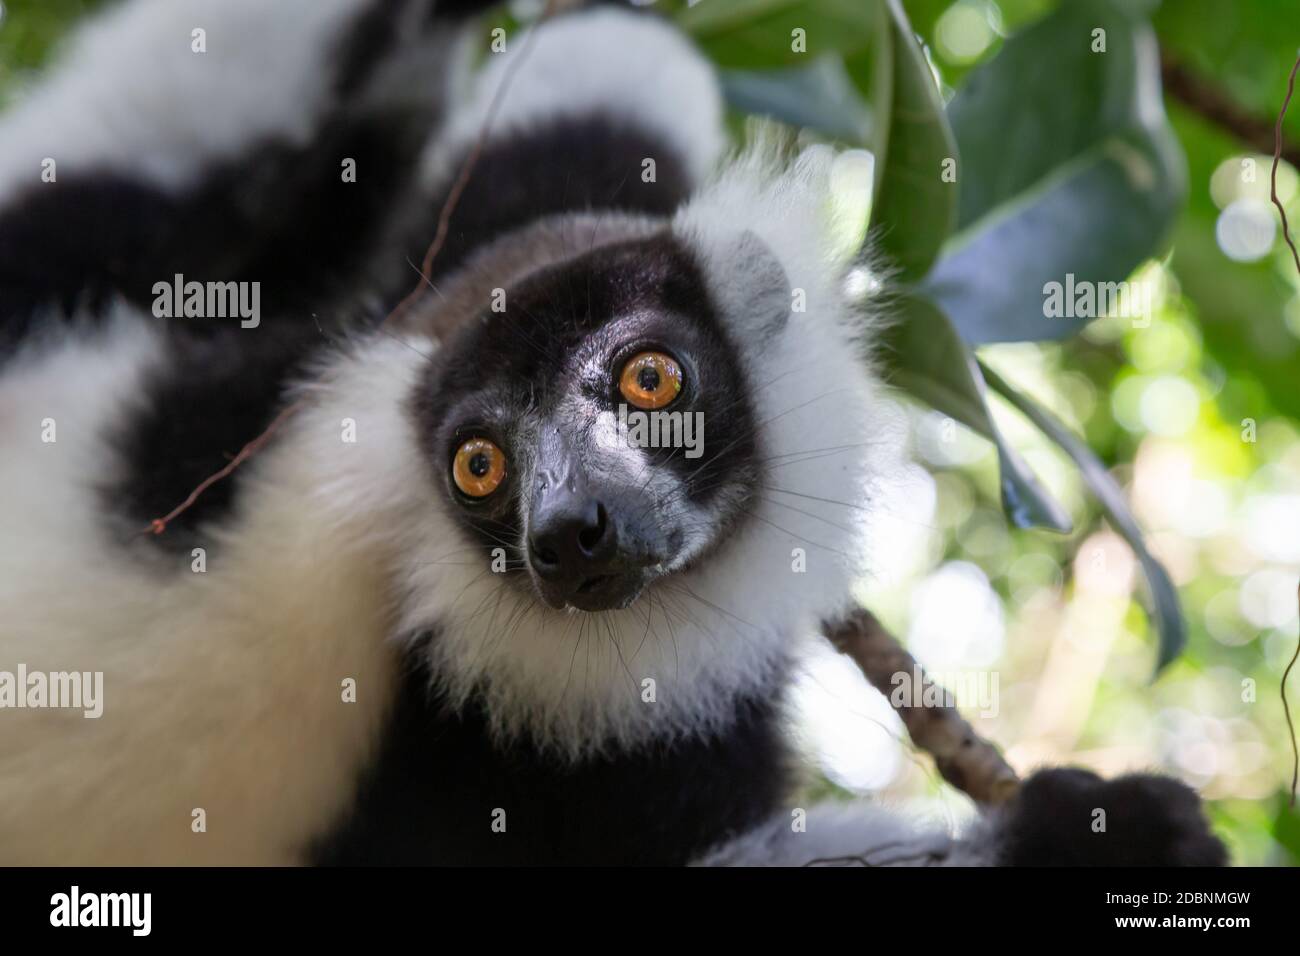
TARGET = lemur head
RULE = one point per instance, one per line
(592, 573)
(599, 431)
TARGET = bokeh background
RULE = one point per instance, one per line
(1197, 415)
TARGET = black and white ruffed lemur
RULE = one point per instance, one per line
(447, 521)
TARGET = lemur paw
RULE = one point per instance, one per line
(1072, 817)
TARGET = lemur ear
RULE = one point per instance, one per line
(751, 285)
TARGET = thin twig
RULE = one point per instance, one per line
(159, 525)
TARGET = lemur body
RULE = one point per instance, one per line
(585, 663)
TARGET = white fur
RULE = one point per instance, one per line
(131, 96)
(614, 63)
(47, 487)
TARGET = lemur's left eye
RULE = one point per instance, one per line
(478, 468)
(650, 380)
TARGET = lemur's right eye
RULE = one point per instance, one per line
(478, 468)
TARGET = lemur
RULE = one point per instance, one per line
(447, 613)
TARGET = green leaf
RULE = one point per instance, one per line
(1068, 165)
(1164, 596)
(914, 210)
(758, 34)
(819, 96)
(926, 358)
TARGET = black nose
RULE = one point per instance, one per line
(572, 540)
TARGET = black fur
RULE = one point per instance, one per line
(70, 244)
(1149, 821)
(566, 164)
(430, 795)
(375, 32)
(280, 216)
(214, 394)
(455, 9)
(365, 43)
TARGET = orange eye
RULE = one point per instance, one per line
(650, 380)
(479, 467)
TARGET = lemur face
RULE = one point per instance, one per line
(594, 431)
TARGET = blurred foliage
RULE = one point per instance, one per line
(1186, 419)
(28, 29)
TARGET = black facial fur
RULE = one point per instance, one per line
(533, 380)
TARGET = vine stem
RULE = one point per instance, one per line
(1277, 156)
(1286, 709)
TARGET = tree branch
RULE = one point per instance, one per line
(1211, 103)
(966, 760)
